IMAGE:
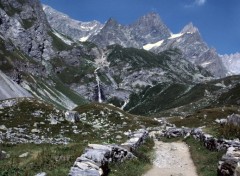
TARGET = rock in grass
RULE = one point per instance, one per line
(24, 155)
(3, 155)
(118, 137)
(3, 127)
(41, 174)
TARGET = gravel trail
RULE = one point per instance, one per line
(172, 159)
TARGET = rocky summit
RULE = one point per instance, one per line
(86, 98)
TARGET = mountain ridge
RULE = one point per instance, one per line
(150, 29)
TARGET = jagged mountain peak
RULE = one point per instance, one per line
(77, 30)
(111, 22)
(190, 28)
(150, 28)
(150, 16)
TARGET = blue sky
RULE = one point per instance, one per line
(218, 20)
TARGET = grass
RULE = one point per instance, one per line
(28, 23)
(115, 116)
(206, 117)
(76, 98)
(78, 73)
(57, 159)
(205, 161)
(58, 43)
(138, 166)
(230, 131)
(48, 158)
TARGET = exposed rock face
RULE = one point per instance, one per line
(128, 70)
(77, 30)
(25, 25)
(147, 29)
(232, 63)
(148, 32)
(194, 49)
(10, 89)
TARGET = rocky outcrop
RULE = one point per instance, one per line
(77, 30)
(194, 49)
(94, 161)
(147, 29)
(24, 24)
(72, 116)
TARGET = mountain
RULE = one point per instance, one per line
(27, 44)
(124, 71)
(148, 28)
(10, 89)
(148, 32)
(63, 91)
(26, 27)
(178, 99)
(194, 49)
(232, 63)
(77, 30)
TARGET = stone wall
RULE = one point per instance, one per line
(94, 161)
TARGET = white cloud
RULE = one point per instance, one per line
(195, 3)
(200, 2)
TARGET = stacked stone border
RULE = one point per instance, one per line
(96, 157)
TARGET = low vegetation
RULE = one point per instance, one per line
(138, 166)
(101, 125)
(205, 161)
(58, 43)
(206, 117)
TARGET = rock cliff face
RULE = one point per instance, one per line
(24, 24)
(148, 28)
(194, 49)
(27, 45)
(77, 30)
(148, 32)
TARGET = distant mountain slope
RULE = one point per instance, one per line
(10, 89)
(77, 30)
(123, 71)
(232, 63)
(149, 28)
(193, 48)
(148, 32)
(184, 99)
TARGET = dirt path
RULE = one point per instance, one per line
(172, 159)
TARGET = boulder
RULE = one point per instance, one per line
(72, 116)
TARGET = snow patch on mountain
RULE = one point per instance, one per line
(77, 30)
(173, 36)
(152, 45)
(205, 64)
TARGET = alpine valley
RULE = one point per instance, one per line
(66, 83)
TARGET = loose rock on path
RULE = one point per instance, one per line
(172, 159)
